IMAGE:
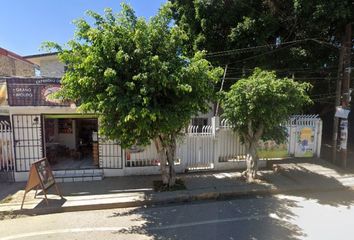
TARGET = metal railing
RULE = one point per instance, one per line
(6, 150)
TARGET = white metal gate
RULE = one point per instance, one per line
(199, 148)
(28, 140)
(6, 153)
(110, 154)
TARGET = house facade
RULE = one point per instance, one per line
(44, 127)
(12, 64)
(49, 65)
(40, 126)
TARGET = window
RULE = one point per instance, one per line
(200, 122)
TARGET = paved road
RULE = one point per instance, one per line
(311, 216)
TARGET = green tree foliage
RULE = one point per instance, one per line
(218, 25)
(257, 105)
(313, 28)
(135, 74)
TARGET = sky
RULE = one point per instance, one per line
(25, 24)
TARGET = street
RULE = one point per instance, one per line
(328, 215)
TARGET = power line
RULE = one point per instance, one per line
(276, 69)
(262, 54)
(250, 49)
(296, 79)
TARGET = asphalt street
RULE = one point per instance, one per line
(328, 215)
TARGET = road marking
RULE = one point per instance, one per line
(256, 217)
(112, 229)
(69, 230)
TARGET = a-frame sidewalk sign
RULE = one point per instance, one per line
(40, 176)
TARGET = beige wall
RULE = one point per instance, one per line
(49, 65)
(13, 67)
(51, 68)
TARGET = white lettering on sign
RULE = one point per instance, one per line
(23, 90)
(23, 94)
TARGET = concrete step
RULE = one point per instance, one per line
(81, 175)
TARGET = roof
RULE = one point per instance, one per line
(8, 53)
(41, 55)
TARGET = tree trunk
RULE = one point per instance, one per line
(171, 155)
(252, 162)
(161, 152)
(251, 138)
(166, 150)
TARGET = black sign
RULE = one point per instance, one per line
(45, 173)
(40, 176)
(33, 92)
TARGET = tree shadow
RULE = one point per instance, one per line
(9, 189)
(310, 185)
(249, 217)
(242, 218)
(326, 154)
(113, 185)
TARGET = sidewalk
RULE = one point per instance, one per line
(136, 191)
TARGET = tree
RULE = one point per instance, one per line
(221, 25)
(257, 105)
(313, 28)
(299, 39)
(136, 75)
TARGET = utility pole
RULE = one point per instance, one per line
(343, 92)
(221, 87)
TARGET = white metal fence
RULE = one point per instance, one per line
(203, 147)
(138, 156)
(6, 150)
(230, 146)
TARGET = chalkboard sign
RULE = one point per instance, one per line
(45, 173)
(40, 176)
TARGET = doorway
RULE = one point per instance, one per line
(71, 142)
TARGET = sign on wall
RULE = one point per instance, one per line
(33, 92)
(305, 142)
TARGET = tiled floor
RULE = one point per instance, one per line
(70, 163)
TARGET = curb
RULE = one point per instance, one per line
(185, 197)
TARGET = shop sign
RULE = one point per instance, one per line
(33, 92)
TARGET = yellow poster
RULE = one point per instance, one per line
(3, 93)
(305, 142)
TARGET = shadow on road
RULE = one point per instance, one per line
(244, 218)
(252, 217)
(129, 184)
(9, 189)
(310, 184)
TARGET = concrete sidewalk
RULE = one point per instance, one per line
(135, 191)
